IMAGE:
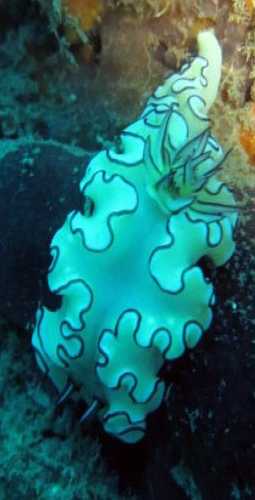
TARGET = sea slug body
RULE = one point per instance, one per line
(133, 295)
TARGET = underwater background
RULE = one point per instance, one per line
(73, 74)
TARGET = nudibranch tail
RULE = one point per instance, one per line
(210, 49)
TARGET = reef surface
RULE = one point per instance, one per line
(66, 90)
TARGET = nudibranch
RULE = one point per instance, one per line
(127, 269)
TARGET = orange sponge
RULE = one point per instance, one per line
(247, 138)
(250, 5)
(87, 12)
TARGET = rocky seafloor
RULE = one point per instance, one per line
(62, 98)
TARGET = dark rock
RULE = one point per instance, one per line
(39, 186)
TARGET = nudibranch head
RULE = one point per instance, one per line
(177, 180)
(127, 269)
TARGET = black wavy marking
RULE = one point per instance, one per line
(159, 98)
(131, 391)
(148, 105)
(155, 108)
(166, 247)
(184, 67)
(169, 135)
(54, 252)
(127, 375)
(170, 91)
(203, 118)
(61, 349)
(62, 352)
(204, 80)
(123, 162)
(223, 206)
(181, 71)
(133, 426)
(184, 331)
(168, 94)
(182, 280)
(218, 190)
(74, 281)
(54, 264)
(223, 209)
(155, 111)
(147, 151)
(203, 212)
(233, 208)
(204, 68)
(183, 207)
(184, 89)
(153, 338)
(214, 144)
(155, 105)
(115, 332)
(207, 224)
(148, 111)
(108, 220)
(186, 325)
(206, 65)
(41, 313)
(162, 247)
(107, 360)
